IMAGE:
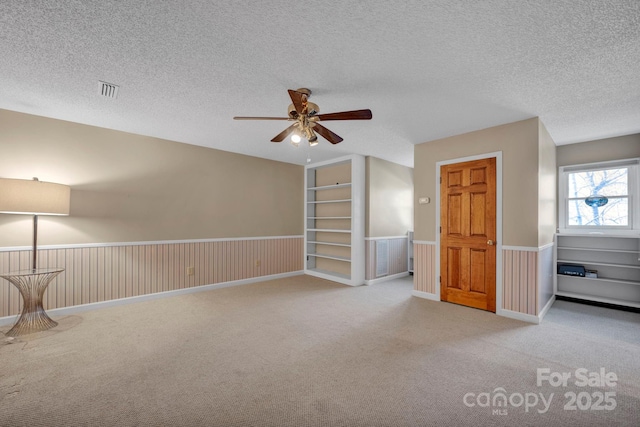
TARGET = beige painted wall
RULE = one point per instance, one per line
(519, 145)
(547, 186)
(622, 147)
(127, 187)
(388, 198)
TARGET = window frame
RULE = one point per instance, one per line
(633, 193)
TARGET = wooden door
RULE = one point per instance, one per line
(468, 234)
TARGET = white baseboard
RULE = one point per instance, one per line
(333, 278)
(426, 295)
(65, 311)
(386, 278)
(527, 317)
(546, 308)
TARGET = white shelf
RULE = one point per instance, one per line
(327, 274)
(316, 202)
(329, 217)
(328, 230)
(344, 245)
(596, 263)
(335, 257)
(599, 279)
(619, 235)
(621, 251)
(329, 187)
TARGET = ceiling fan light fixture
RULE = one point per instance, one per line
(311, 136)
(292, 111)
(312, 109)
(295, 139)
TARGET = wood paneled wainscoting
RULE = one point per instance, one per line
(424, 270)
(395, 258)
(109, 272)
(524, 282)
(527, 276)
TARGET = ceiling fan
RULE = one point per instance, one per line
(306, 116)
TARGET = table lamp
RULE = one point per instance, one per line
(20, 196)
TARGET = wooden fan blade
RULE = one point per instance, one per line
(299, 100)
(282, 135)
(261, 118)
(347, 115)
(327, 134)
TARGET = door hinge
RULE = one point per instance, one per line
(440, 180)
(440, 279)
(440, 229)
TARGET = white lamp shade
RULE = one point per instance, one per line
(20, 196)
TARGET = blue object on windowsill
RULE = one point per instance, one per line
(596, 201)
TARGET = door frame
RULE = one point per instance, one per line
(498, 157)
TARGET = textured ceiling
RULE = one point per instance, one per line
(427, 69)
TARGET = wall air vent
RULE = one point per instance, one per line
(382, 258)
(108, 90)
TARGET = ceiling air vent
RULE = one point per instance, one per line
(108, 90)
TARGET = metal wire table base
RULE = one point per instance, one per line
(32, 284)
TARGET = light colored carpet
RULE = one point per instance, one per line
(308, 352)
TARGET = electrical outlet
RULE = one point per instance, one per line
(191, 271)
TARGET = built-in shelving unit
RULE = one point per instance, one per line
(334, 217)
(615, 258)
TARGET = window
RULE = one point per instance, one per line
(600, 196)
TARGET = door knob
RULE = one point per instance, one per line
(490, 242)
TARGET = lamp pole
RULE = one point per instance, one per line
(35, 238)
(35, 242)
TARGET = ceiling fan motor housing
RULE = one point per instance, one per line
(312, 110)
